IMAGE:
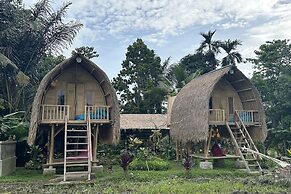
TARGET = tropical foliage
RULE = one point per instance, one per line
(27, 37)
(137, 82)
(272, 77)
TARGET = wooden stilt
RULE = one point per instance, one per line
(207, 143)
(177, 150)
(52, 145)
(94, 146)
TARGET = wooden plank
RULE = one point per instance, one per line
(250, 100)
(244, 90)
(80, 98)
(214, 157)
(71, 99)
(237, 81)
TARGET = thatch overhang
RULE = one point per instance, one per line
(102, 79)
(190, 111)
(143, 121)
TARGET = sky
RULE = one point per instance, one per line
(172, 27)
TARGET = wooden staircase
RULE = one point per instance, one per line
(242, 139)
(77, 150)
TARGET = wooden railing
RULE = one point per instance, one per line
(97, 112)
(216, 115)
(54, 112)
(248, 116)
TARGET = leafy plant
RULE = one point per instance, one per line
(125, 160)
(36, 158)
(13, 125)
(187, 160)
(167, 149)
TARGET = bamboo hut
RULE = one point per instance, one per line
(72, 94)
(141, 125)
(224, 100)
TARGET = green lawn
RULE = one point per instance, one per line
(174, 180)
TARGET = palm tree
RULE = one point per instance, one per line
(209, 48)
(232, 56)
(208, 45)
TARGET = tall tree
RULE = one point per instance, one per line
(28, 36)
(137, 82)
(232, 57)
(87, 51)
(209, 47)
(272, 77)
(32, 33)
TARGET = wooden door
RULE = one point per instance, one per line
(71, 99)
(75, 99)
(231, 109)
(80, 99)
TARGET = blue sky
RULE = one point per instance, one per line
(172, 27)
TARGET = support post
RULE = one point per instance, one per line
(51, 169)
(207, 143)
(52, 145)
(94, 146)
(177, 150)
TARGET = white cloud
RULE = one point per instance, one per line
(159, 19)
(159, 22)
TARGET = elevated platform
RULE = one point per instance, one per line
(74, 122)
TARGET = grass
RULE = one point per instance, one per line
(174, 180)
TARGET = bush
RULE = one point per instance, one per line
(154, 163)
(36, 158)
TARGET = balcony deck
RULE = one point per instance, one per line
(249, 117)
(56, 114)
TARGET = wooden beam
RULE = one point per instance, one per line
(244, 90)
(58, 131)
(94, 146)
(237, 81)
(207, 143)
(250, 100)
(52, 142)
(92, 71)
(177, 150)
(102, 81)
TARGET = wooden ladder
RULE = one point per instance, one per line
(242, 139)
(77, 149)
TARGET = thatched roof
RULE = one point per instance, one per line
(189, 116)
(99, 75)
(143, 121)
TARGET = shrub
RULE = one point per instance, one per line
(36, 158)
(187, 160)
(125, 160)
(154, 163)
